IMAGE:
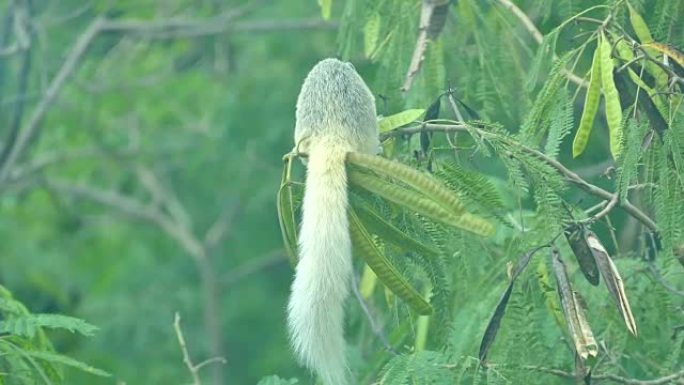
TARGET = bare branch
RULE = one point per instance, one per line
(49, 159)
(606, 209)
(421, 44)
(252, 266)
(221, 226)
(164, 195)
(67, 68)
(175, 28)
(186, 356)
(192, 368)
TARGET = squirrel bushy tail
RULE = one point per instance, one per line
(324, 270)
(335, 115)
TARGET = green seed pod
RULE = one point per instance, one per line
(418, 203)
(591, 103)
(383, 268)
(612, 99)
(426, 185)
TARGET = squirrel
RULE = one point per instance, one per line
(335, 114)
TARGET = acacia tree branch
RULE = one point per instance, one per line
(606, 209)
(611, 377)
(569, 175)
(538, 37)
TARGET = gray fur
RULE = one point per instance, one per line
(335, 115)
(334, 100)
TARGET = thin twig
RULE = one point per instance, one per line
(569, 175)
(222, 225)
(426, 11)
(610, 377)
(377, 329)
(608, 207)
(192, 368)
(184, 348)
(538, 37)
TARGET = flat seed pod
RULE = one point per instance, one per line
(613, 281)
(612, 99)
(385, 230)
(286, 213)
(578, 327)
(668, 50)
(639, 25)
(365, 248)
(576, 236)
(399, 119)
(591, 104)
(418, 203)
(425, 184)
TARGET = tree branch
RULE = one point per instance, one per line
(192, 368)
(611, 377)
(569, 175)
(67, 68)
(538, 37)
(186, 27)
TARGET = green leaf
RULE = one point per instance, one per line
(365, 248)
(326, 8)
(591, 103)
(55, 358)
(399, 119)
(28, 325)
(368, 282)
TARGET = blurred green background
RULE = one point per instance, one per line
(151, 136)
(194, 129)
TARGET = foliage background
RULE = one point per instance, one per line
(148, 185)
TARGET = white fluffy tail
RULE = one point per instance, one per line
(321, 284)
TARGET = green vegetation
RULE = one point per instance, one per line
(529, 228)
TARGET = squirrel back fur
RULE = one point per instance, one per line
(335, 115)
